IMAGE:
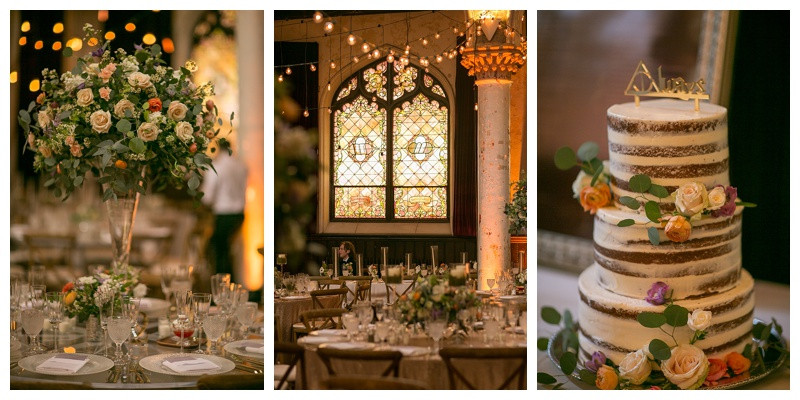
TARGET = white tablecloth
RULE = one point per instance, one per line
(378, 290)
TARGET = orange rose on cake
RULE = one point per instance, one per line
(595, 197)
(737, 362)
(678, 229)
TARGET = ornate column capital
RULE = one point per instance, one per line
(494, 62)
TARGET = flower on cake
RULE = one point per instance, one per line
(717, 370)
(635, 367)
(691, 198)
(595, 197)
(687, 368)
(737, 363)
(598, 360)
(658, 294)
(729, 207)
(607, 378)
(699, 320)
(678, 229)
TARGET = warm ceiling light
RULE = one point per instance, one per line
(38, 45)
(26, 26)
(34, 85)
(288, 71)
(351, 39)
(489, 14)
(376, 53)
(328, 27)
(130, 27)
(365, 47)
(437, 35)
(333, 65)
(355, 59)
(280, 78)
(56, 46)
(75, 44)
(92, 42)
(102, 15)
(317, 17)
(424, 42)
(390, 58)
(167, 45)
(110, 35)
(439, 58)
(149, 39)
(13, 76)
(23, 41)
(312, 67)
(58, 27)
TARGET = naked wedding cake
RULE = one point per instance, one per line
(697, 252)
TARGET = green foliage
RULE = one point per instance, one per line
(545, 378)
(659, 350)
(551, 315)
(652, 234)
(658, 191)
(568, 362)
(587, 376)
(651, 319)
(626, 222)
(630, 202)
(565, 158)
(588, 151)
(517, 209)
(652, 211)
(676, 316)
(542, 343)
(639, 183)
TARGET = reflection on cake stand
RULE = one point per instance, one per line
(773, 361)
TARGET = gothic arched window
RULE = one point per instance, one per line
(390, 138)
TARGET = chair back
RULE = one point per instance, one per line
(50, 249)
(362, 292)
(513, 358)
(316, 295)
(295, 355)
(355, 382)
(326, 318)
(231, 382)
(329, 283)
(365, 359)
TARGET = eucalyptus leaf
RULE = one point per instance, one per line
(77, 181)
(219, 121)
(123, 125)
(587, 376)
(747, 352)
(778, 327)
(588, 151)
(639, 183)
(194, 182)
(568, 362)
(659, 350)
(155, 50)
(108, 194)
(106, 159)
(676, 316)
(565, 158)
(137, 145)
(31, 106)
(630, 202)
(120, 148)
(24, 116)
(596, 175)
(542, 343)
(651, 319)
(545, 378)
(652, 234)
(551, 315)
(67, 52)
(64, 115)
(765, 333)
(569, 323)
(106, 143)
(626, 222)
(200, 159)
(658, 191)
(50, 161)
(758, 330)
(652, 211)
(197, 109)
(50, 182)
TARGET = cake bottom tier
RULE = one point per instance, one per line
(608, 320)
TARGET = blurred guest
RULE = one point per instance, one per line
(347, 253)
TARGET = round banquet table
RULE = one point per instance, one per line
(288, 310)
(428, 369)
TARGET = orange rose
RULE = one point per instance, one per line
(594, 197)
(40, 98)
(606, 378)
(416, 295)
(678, 229)
(70, 298)
(154, 104)
(737, 362)
(67, 287)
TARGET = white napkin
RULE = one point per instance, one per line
(410, 350)
(254, 347)
(63, 363)
(330, 332)
(184, 364)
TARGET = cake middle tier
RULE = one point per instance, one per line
(608, 321)
(628, 263)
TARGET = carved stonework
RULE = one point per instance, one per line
(493, 62)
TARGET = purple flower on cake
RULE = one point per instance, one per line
(730, 206)
(657, 295)
(597, 361)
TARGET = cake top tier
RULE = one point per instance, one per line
(665, 116)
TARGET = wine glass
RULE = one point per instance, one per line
(214, 326)
(364, 312)
(281, 260)
(436, 325)
(490, 282)
(201, 303)
(379, 310)
(183, 279)
(382, 331)
(36, 275)
(167, 275)
(119, 329)
(350, 321)
(54, 308)
(130, 307)
(182, 325)
(216, 281)
(246, 314)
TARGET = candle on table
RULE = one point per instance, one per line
(335, 251)
(359, 262)
(434, 256)
(408, 263)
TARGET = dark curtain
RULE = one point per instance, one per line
(465, 164)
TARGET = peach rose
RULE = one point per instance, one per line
(678, 229)
(635, 367)
(45, 151)
(84, 97)
(691, 198)
(75, 150)
(40, 98)
(107, 71)
(737, 362)
(607, 378)
(139, 80)
(699, 320)
(594, 197)
(716, 198)
(687, 367)
(101, 121)
(69, 140)
(122, 106)
(184, 131)
(44, 118)
(105, 93)
(148, 131)
(154, 104)
(177, 111)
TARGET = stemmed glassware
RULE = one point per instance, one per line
(214, 326)
(36, 275)
(130, 307)
(436, 325)
(201, 303)
(54, 308)
(167, 275)
(119, 329)
(182, 325)
(281, 260)
(19, 290)
(217, 280)
(246, 315)
(490, 282)
(350, 321)
(108, 310)
(33, 317)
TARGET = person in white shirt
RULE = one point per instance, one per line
(224, 191)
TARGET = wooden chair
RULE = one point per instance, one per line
(50, 249)
(363, 292)
(317, 304)
(312, 320)
(506, 355)
(368, 383)
(362, 358)
(330, 283)
(231, 382)
(285, 375)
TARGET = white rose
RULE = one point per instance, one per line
(44, 118)
(85, 97)
(122, 106)
(140, 290)
(101, 121)
(716, 198)
(177, 111)
(635, 367)
(139, 80)
(699, 320)
(691, 198)
(687, 367)
(148, 131)
(581, 181)
(184, 131)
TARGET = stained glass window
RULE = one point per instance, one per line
(390, 156)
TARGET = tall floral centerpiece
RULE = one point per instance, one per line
(131, 120)
(433, 293)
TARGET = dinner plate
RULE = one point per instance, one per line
(348, 345)
(329, 332)
(95, 365)
(410, 350)
(153, 307)
(238, 348)
(153, 364)
(295, 297)
(511, 297)
(320, 339)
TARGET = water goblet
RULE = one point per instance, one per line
(350, 321)
(246, 314)
(490, 283)
(182, 325)
(130, 307)
(119, 329)
(54, 308)
(380, 311)
(214, 326)
(381, 331)
(281, 260)
(167, 275)
(201, 303)
(436, 326)
(32, 323)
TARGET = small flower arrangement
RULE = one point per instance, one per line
(373, 271)
(517, 209)
(325, 271)
(347, 269)
(521, 279)
(129, 118)
(433, 293)
(691, 200)
(87, 294)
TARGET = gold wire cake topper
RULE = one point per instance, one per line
(673, 87)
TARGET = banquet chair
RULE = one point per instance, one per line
(508, 356)
(50, 249)
(317, 303)
(325, 284)
(358, 382)
(312, 320)
(285, 375)
(231, 382)
(363, 292)
(365, 359)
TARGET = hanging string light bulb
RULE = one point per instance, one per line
(306, 113)
(439, 58)
(424, 42)
(312, 67)
(328, 27)
(424, 61)
(333, 65)
(351, 39)
(280, 78)
(365, 47)
(317, 17)
(329, 86)
(404, 60)
(355, 59)
(437, 35)
(376, 53)
(390, 57)
(288, 71)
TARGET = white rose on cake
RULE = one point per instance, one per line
(635, 367)
(691, 198)
(699, 320)
(687, 367)
(716, 198)
(583, 180)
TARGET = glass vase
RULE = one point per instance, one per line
(121, 212)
